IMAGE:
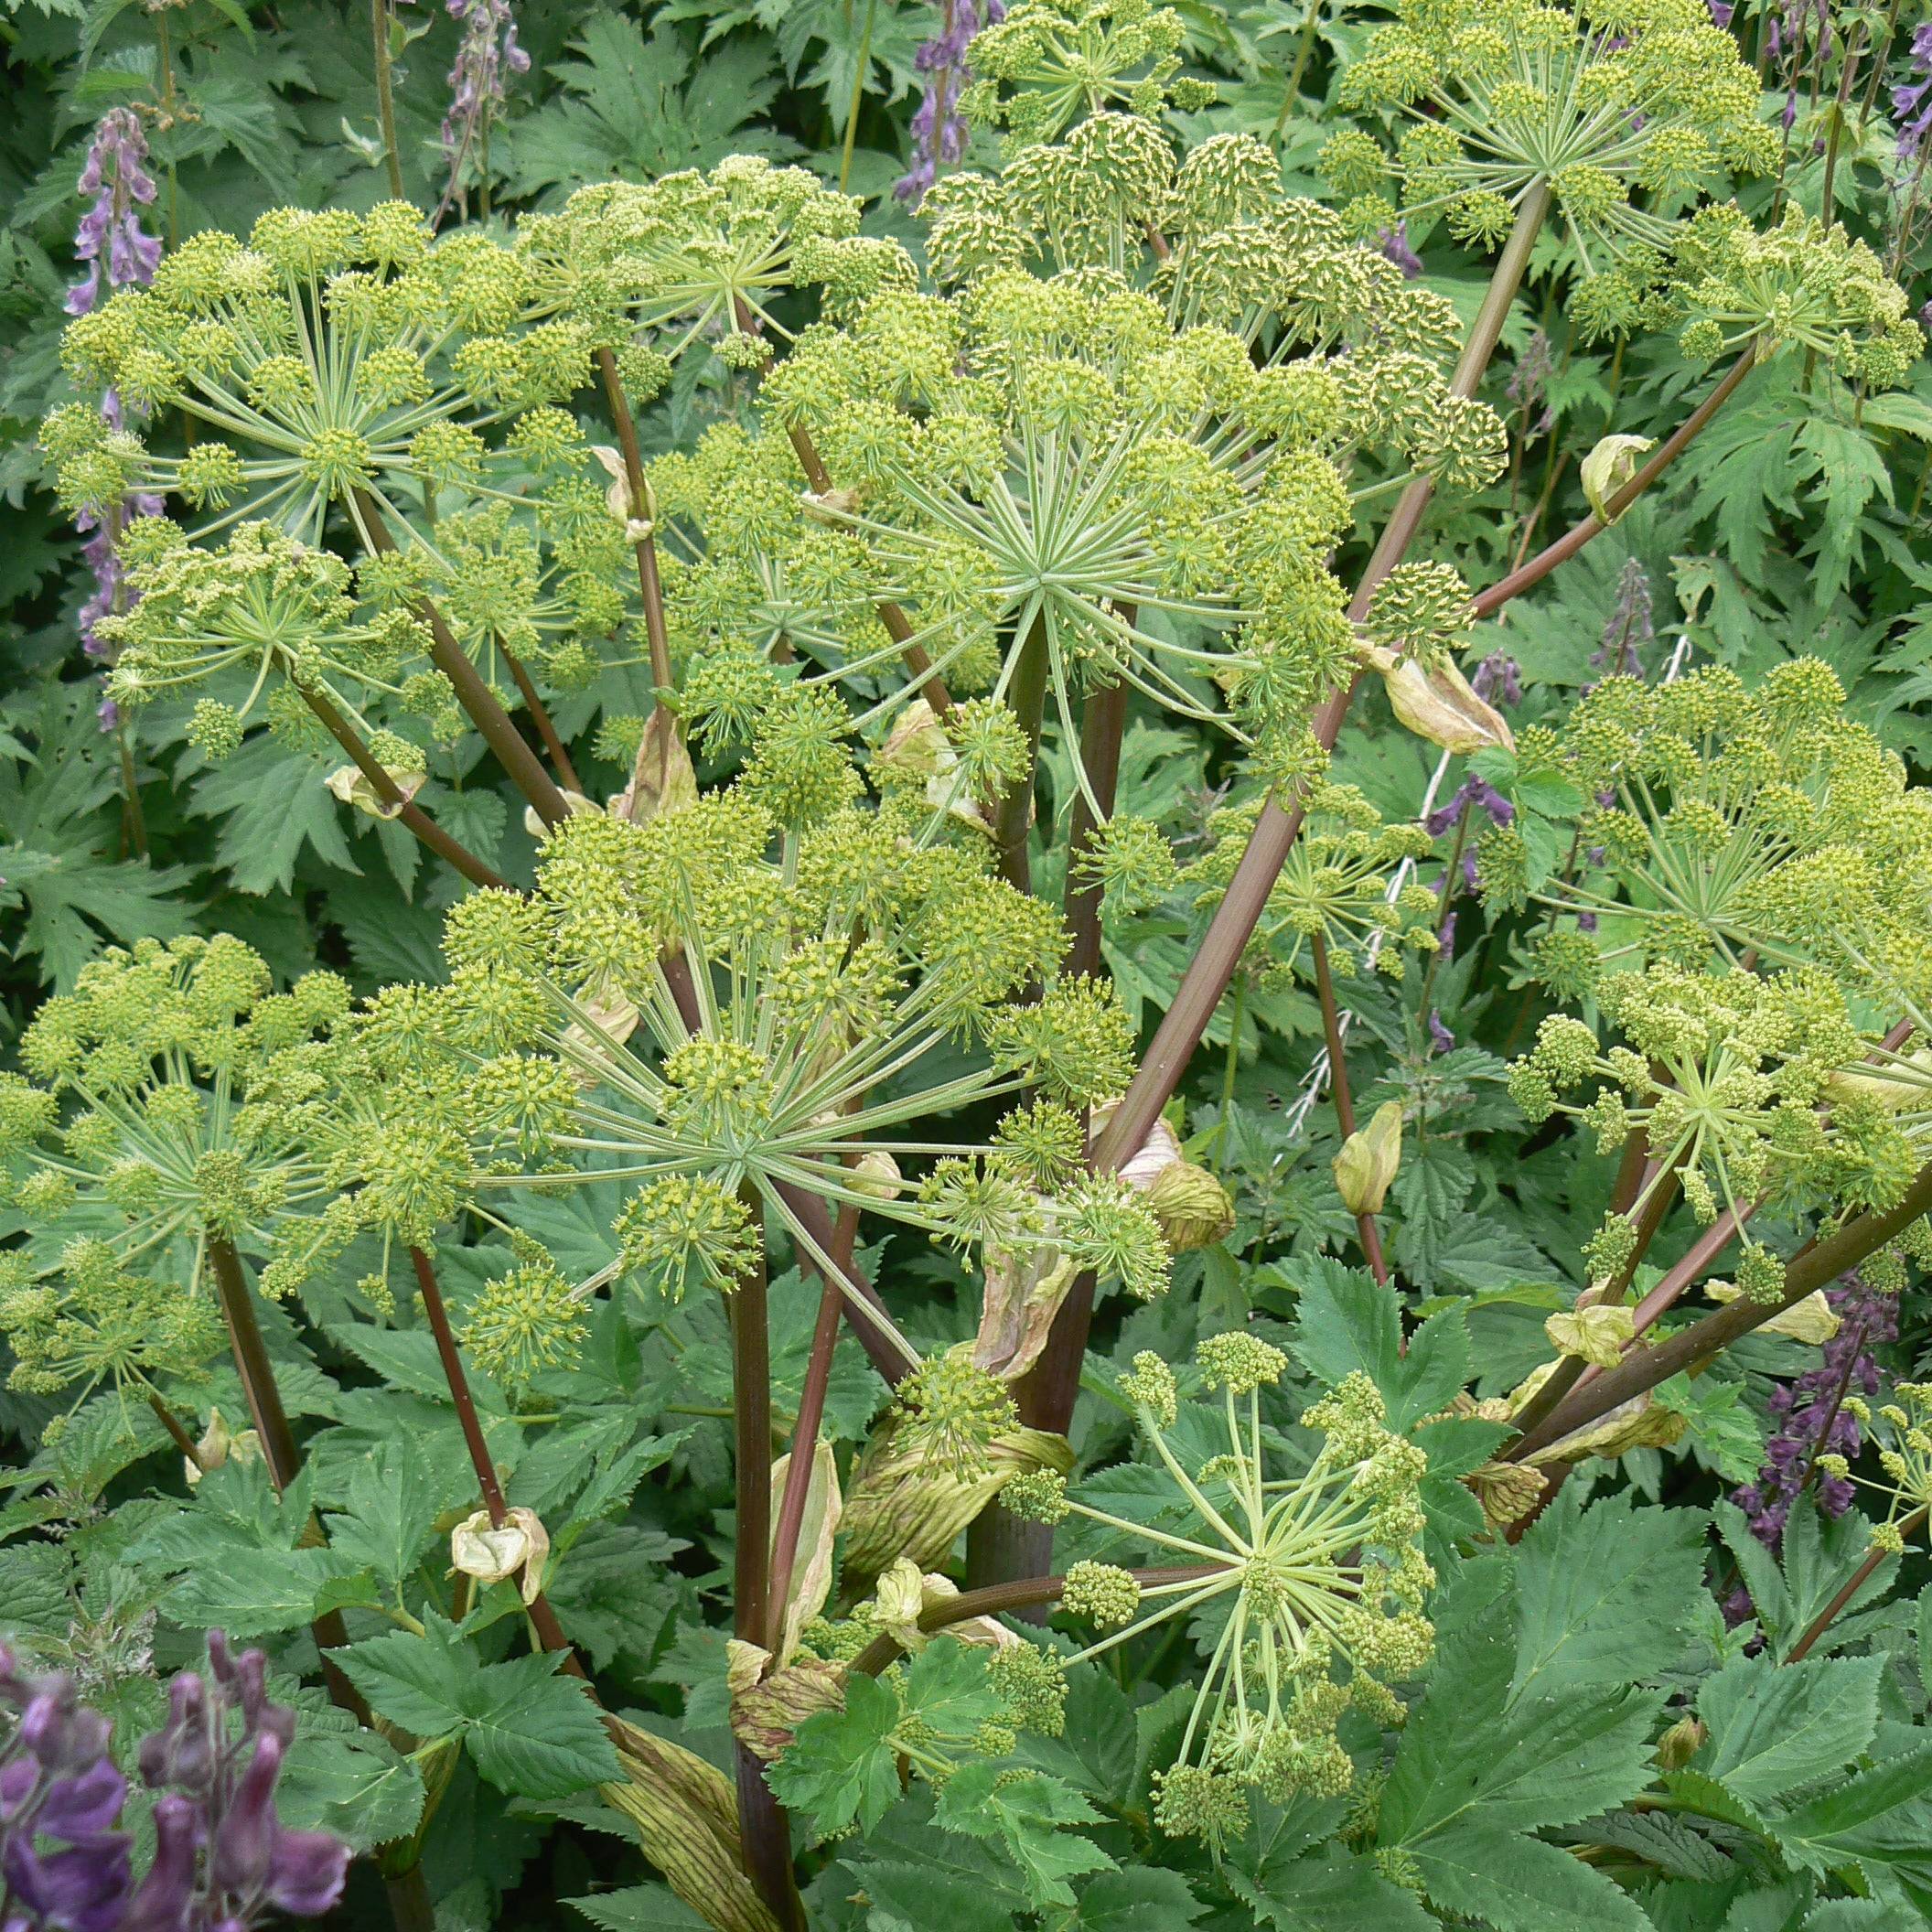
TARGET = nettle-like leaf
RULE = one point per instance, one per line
(529, 1731)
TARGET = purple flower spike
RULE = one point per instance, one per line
(1473, 793)
(1396, 249)
(938, 130)
(1812, 1420)
(67, 1866)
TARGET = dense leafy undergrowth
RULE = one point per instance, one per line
(966, 967)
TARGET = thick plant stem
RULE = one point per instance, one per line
(1103, 718)
(498, 729)
(379, 18)
(542, 1618)
(766, 1834)
(899, 627)
(805, 1433)
(1644, 1369)
(1027, 694)
(406, 811)
(540, 716)
(1026, 1593)
(263, 1395)
(1365, 1228)
(649, 587)
(1567, 545)
(1213, 966)
(1853, 1584)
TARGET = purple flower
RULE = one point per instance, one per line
(222, 1862)
(1813, 1418)
(1629, 625)
(1721, 12)
(120, 254)
(110, 237)
(1472, 793)
(938, 130)
(1440, 1038)
(1498, 674)
(1912, 100)
(1395, 247)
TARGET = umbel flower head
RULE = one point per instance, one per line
(1067, 58)
(693, 258)
(724, 1031)
(334, 354)
(1049, 467)
(1800, 283)
(1305, 1588)
(240, 618)
(146, 1127)
(1731, 822)
(1346, 882)
(1623, 111)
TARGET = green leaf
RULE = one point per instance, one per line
(841, 1767)
(1327, 1890)
(271, 805)
(1347, 1321)
(357, 1785)
(253, 1591)
(1520, 1884)
(1776, 1726)
(1879, 1819)
(1025, 1810)
(34, 1599)
(1604, 1593)
(639, 1908)
(390, 1512)
(530, 1732)
(1140, 1898)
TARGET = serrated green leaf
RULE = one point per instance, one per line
(840, 1767)
(1138, 1899)
(1347, 1321)
(358, 1787)
(1776, 1726)
(1327, 1890)
(1025, 1810)
(638, 1908)
(390, 1511)
(254, 1592)
(1604, 1592)
(1520, 1884)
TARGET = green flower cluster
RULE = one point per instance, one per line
(1622, 110)
(1348, 881)
(1306, 1589)
(1064, 59)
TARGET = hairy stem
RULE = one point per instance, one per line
(1644, 1369)
(1567, 545)
(263, 1395)
(765, 1833)
(1027, 694)
(406, 811)
(805, 1433)
(1103, 718)
(1213, 966)
(498, 731)
(1370, 1234)
(650, 585)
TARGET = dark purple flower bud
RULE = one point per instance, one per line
(81, 1889)
(87, 1802)
(1498, 675)
(1470, 882)
(1440, 1038)
(306, 1872)
(243, 1841)
(1586, 922)
(1396, 249)
(940, 132)
(1445, 935)
(166, 1894)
